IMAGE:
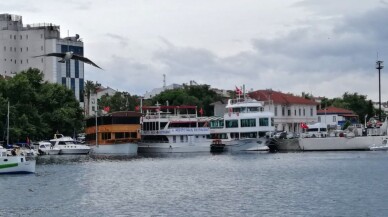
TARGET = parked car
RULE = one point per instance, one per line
(280, 135)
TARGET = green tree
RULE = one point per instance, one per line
(38, 109)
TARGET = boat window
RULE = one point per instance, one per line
(61, 143)
(217, 124)
(182, 139)
(234, 135)
(106, 136)
(21, 159)
(174, 139)
(231, 123)
(5, 159)
(248, 135)
(42, 146)
(263, 122)
(248, 122)
(119, 135)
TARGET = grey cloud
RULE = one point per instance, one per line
(122, 40)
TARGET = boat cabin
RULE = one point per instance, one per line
(117, 127)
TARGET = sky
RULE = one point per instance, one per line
(321, 47)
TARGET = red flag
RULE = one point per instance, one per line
(137, 108)
(107, 108)
(201, 111)
(238, 91)
(304, 126)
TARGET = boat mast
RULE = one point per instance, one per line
(8, 125)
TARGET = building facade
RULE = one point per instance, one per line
(335, 117)
(19, 46)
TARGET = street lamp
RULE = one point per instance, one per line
(379, 66)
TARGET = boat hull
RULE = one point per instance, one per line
(14, 166)
(246, 145)
(174, 147)
(340, 143)
(75, 150)
(128, 149)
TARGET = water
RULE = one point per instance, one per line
(253, 184)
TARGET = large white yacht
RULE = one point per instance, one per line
(243, 126)
(68, 146)
(173, 129)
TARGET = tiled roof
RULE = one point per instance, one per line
(335, 110)
(279, 97)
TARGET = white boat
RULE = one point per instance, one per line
(117, 133)
(352, 139)
(173, 129)
(382, 147)
(46, 148)
(10, 164)
(243, 127)
(67, 145)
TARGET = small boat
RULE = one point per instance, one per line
(382, 147)
(217, 146)
(15, 163)
(67, 145)
(46, 148)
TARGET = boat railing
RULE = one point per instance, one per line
(170, 116)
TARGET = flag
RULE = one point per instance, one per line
(304, 126)
(238, 91)
(137, 108)
(201, 111)
(106, 108)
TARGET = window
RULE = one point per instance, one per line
(300, 112)
(248, 122)
(304, 112)
(283, 111)
(231, 123)
(21, 37)
(21, 49)
(311, 112)
(14, 49)
(119, 135)
(27, 61)
(26, 37)
(319, 119)
(21, 61)
(106, 136)
(276, 111)
(5, 48)
(289, 112)
(27, 49)
(334, 119)
(295, 112)
(41, 47)
(263, 122)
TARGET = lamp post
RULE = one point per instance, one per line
(379, 66)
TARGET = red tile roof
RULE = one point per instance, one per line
(279, 97)
(335, 110)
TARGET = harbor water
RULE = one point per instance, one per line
(251, 184)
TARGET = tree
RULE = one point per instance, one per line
(38, 109)
(198, 95)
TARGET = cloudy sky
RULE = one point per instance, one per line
(323, 47)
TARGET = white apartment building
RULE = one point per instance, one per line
(156, 91)
(19, 44)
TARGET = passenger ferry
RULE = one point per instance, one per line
(117, 133)
(173, 129)
(243, 126)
